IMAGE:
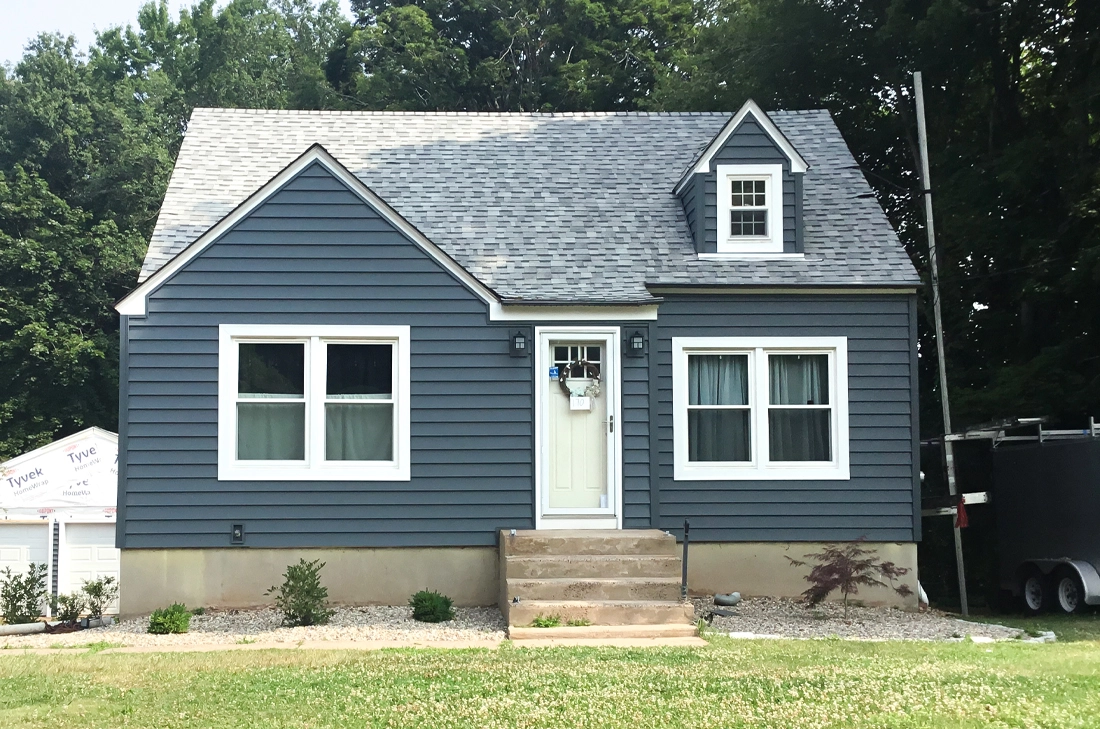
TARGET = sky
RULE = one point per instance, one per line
(21, 20)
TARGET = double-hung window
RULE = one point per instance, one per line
(313, 403)
(750, 208)
(760, 408)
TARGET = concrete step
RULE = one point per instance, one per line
(580, 566)
(602, 632)
(587, 541)
(595, 588)
(603, 612)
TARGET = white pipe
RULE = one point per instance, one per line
(23, 628)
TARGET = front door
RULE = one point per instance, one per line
(578, 413)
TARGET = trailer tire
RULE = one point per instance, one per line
(1035, 588)
(1069, 593)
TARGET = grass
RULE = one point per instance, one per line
(728, 684)
(1066, 627)
(546, 621)
(96, 647)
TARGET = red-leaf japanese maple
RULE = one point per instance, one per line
(847, 567)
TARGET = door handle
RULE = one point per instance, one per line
(611, 423)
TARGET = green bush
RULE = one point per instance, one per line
(432, 607)
(172, 619)
(22, 596)
(302, 598)
(67, 608)
(99, 594)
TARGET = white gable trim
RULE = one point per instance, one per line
(702, 165)
(133, 304)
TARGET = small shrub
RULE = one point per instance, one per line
(847, 568)
(67, 608)
(198, 611)
(172, 619)
(22, 596)
(579, 623)
(546, 621)
(302, 598)
(431, 607)
(99, 594)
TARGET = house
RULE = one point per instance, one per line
(380, 339)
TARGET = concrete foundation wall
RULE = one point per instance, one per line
(759, 569)
(237, 578)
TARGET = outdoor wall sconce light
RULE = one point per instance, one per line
(237, 535)
(518, 346)
(636, 344)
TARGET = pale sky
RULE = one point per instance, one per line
(21, 20)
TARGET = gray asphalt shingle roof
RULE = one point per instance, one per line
(562, 207)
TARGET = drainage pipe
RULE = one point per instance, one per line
(684, 563)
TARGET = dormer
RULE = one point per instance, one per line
(743, 194)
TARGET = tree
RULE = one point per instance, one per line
(553, 55)
(60, 270)
(847, 568)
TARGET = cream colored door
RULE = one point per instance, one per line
(578, 428)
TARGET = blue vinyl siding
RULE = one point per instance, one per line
(314, 253)
(880, 500)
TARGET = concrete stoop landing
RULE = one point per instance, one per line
(624, 583)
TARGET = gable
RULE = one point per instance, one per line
(312, 195)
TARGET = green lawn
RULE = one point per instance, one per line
(731, 683)
(1066, 627)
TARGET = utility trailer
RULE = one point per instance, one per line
(1047, 501)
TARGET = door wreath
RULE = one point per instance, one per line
(589, 370)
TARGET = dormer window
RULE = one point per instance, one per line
(750, 214)
(749, 208)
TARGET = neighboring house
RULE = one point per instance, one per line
(373, 338)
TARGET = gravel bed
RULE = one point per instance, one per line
(775, 617)
(265, 626)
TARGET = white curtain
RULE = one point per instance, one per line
(271, 431)
(718, 434)
(801, 434)
(359, 432)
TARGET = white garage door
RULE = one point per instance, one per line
(21, 544)
(88, 553)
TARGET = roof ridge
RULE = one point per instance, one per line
(517, 114)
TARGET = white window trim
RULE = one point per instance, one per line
(771, 243)
(759, 469)
(314, 468)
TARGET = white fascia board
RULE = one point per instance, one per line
(518, 312)
(133, 304)
(702, 165)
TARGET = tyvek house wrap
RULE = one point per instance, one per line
(76, 476)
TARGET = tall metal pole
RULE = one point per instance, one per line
(933, 266)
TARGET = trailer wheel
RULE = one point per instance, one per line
(1070, 593)
(1036, 592)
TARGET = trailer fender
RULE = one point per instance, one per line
(1089, 578)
